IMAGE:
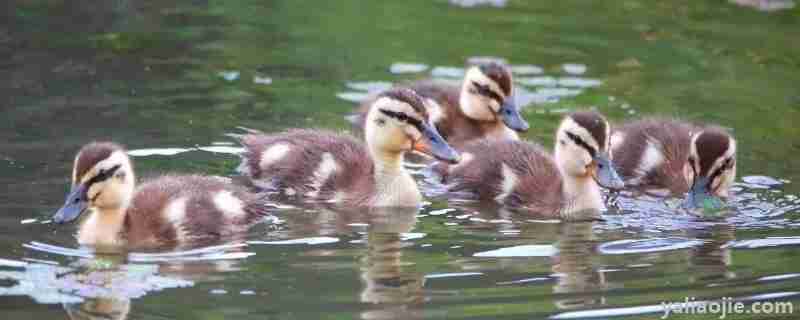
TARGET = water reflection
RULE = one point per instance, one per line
(389, 282)
(580, 281)
(711, 261)
(99, 308)
(102, 286)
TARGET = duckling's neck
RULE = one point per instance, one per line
(394, 186)
(103, 227)
(581, 194)
(498, 130)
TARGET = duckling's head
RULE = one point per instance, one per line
(711, 167)
(583, 149)
(398, 122)
(102, 178)
(486, 96)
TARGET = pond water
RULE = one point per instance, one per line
(170, 78)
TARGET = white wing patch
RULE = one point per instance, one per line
(509, 182)
(273, 154)
(652, 158)
(231, 206)
(327, 167)
(175, 212)
(617, 138)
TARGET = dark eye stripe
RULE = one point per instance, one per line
(725, 166)
(575, 138)
(405, 118)
(485, 91)
(102, 176)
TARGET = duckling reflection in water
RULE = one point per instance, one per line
(580, 283)
(168, 211)
(523, 175)
(99, 309)
(711, 261)
(327, 167)
(676, 158)
(389, 283)
(483, 106)
(110, 283)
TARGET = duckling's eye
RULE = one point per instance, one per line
(600, 166)
(563, 143)
(120, 175)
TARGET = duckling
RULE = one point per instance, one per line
(677, 157)
(482, 108)
(522, 174)
(330, 167)
(169, 210)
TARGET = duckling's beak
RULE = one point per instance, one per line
(511, 117)
(700, 196)
(433, 144)
(606, 175)
(74, 206)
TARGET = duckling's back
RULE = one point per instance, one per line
(513, 173)
(650, 153)
(315, 164)
(177, 210)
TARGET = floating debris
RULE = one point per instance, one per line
(222, 149)
(358, 225)
(533, 250)
(559, 92)
(779, 277)
(441, 211)
(231, 75)
(541, 81)
(526, 69)
(12, 263)
(764, 243)
(636, 246)
(448, 72)
(453, 275)
(762, 180)
(766, 5)
(521, 281)
(472, 61)
(307, 241)
(629, 63)
(402, 67)
(412, 236)
(579, 82)
(369, 86)
(353, 96)
(574, 68)
(262, 80)
(156, 152)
